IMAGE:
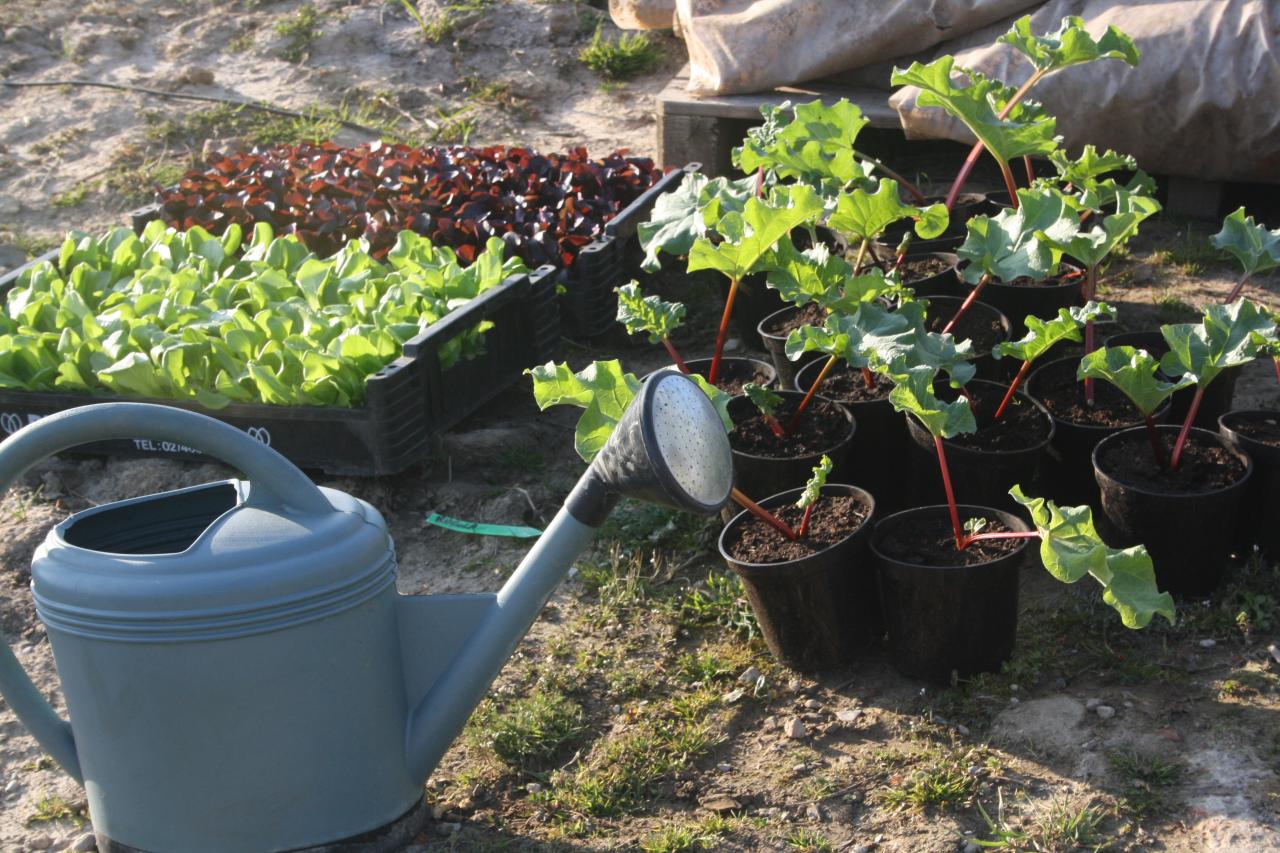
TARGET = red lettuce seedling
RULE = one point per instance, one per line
(1051, 52)
(1091, 248)
(1226, 337)
(1009, 245)
(1256, 248)
(749, 236)
(767, 402)
(651, 315)
(1043, 335)
(813, 492)
(1135, 373)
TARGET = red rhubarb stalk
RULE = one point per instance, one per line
(764, 515)
(760, 182)
(1010, 185)
(964, 306)
(804, 522)
(951, 496)
(1186, 428)
(868, 379)
(675, 356)
(1277, 364)
(1031, 171)
(1235, 291)
(813, 389)
(976, 151)
(1156, 447)
(774, 426)
(1008, 395)
(724, 331)
(1090, 286)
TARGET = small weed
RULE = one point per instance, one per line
(937, 776)
(532, 729)
(137, 184)
(1170, 309)
(242, 43)
(54, 808)
(58, 143)
(720, 600)
(449, 19)
(44, 762)
(623, 58)
(73, 197)
(1191, 253)
(1144, 776)
(299, 31)
(1059, 828)
(23, 501)
(703, 835)
(808, 841)
(455, 126)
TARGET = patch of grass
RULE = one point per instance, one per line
(31, 245)
(57, 143)
(242, 43)
(1059, 828)
(1190, 252)
(44, 762)
(137, 184)
(623, 58)
(454, 126)
(703, 835)
(1144, 777)
(449, 19)
(809, 841)
(1170, 309)
(73, 197)
(299, 31)
(51, 808)
(720, 600)
(532, 729)
(936, 777)
(317, 123)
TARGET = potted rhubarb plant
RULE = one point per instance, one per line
(1188, 479)
(802, 556)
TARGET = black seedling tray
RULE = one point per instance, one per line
(406, 401)
(588, 305)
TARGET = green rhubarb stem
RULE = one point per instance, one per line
(956, 529)
(1008, 395)
(763, 514)
(675, 356)
(1157, 448)
(804, 522)
(1235, 291)
(976, 151)
(964, 306)
(813, 389)
(724, 331)
(1186, 428)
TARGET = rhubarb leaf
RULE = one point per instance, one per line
(1071, 548)
(913, 395)
(680, 217)
(809, 275)
(1134, 372)
(1256, 248)
(1088, 169)
(1042, 335)
(750, 235)
(813, 488)
(650, 314)
(762, 398)
(816, 146)
(1017, 243)
(1226, 337)
(602, 389)
(1092, 247)
(850, 336)
(1070, 45)
(860, 215)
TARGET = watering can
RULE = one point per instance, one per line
(239, 671)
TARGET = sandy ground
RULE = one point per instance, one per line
(1027, 737)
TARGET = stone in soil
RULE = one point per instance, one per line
(794, 728)
(1104, 712)
(834, 519)
(749, 675)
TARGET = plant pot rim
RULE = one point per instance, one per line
(1246, 413)
(788, 497)
(1039, 287)
(1020, 393)
(1251, 444)
(761, 366)
(1201, 433)
(848, 405)
(1005, 322)
(793, 309)
(887, 523)
(1161, 410)
(853, 426)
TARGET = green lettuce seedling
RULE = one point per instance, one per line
(749, 237)
(1227, 337)
(1071, 548)
(1256, 248)
(1041, 337)
(1136, 374)
(767, 402)
(651, 315)
(813, 492)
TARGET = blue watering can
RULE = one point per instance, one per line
(239, 670)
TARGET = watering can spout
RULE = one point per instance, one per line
(670, 448)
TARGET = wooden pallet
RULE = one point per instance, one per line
(704, 130)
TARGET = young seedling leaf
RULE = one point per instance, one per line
(811, 275)
(1042, 335)
(1016, 243)
(974, 526)
(1070, 548)
(1134, 372)
(1090, 167)
(1226, 337)
(813, 488)
(816, 147)
(1070, 45)
(649, 314)
(913, 395)
(1256, 248)
(750, 235)
(860, 215)
(762, 398)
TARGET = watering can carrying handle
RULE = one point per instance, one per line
(274, 484)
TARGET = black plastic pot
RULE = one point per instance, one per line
(967, 205)
(1016, 301)
(945, 283)
(945, 307)
(1260, 516)
(1067, 467)
(1217, 396)
(766, 475)
(775, 343)
(754, 302)
(947, 622)
(736, 367)
(981, 477)
(819, 611)
(875, 457)
(1189, 536)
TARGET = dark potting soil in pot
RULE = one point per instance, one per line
(1022, 426)
(915, 269)
(1070, 276)
(812, 314)
(834, 518)
(821, 427)
(1204, 467)
(736, 374)
(931, 542)
(977, 325)
(1058, 390)
(846, 385)
(1262, 430)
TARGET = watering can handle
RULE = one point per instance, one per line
(274, 484)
